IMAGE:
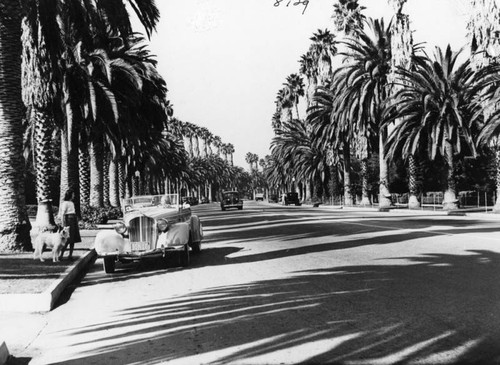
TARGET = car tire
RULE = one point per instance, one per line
(196, 247)
(185, 256)
(240, 208)
(108, 264)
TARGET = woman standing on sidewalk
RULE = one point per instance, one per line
(67, 215)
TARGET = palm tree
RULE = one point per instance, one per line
(332, 132)
(14, 223)
(321, 52)
(402, 50)
(295, 156)
(361, 90)
(347, 17)
(348, 23)
(294, 89)
(44, 28)
(249, 159)
(434, 109)
(40, 81)
(231, 150)
(482, 33)
(309, 68)
(284, 106)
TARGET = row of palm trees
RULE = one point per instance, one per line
(210, 164)
(79, 88)
(373, 94)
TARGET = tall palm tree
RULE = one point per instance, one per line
(362, 89)
(348, 21)
(231, 150)
(284, 106)
(434, 109)
(348, 17)
(321, 51)
(402, 50)
(44, 25)
(482, 30)
(249, 160)
(14, 223)
(40, 81)
(332, 132)
(309, 68)
(294, 89)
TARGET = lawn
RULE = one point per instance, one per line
(20, 274)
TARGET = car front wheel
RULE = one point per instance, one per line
(108, 263)
(196, 246)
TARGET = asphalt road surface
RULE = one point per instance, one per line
(286, 285)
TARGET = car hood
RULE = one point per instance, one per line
(152, 212)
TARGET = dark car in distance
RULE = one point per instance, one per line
(231, 199)
(273, 198)
(290, 198)
(191, 200)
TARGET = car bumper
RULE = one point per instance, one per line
(143, 254)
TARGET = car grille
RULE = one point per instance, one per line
(142, 229)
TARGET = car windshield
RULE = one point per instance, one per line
(144, 201)
(230, 195)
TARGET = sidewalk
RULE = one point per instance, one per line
(24, 314)
(478, 213)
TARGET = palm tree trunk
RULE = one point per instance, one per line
(413, 202)
(135, 185)
(450, 200)
(84, 173)
(122, 180)
(348, 199)
(14, 223)
(96, 173)
(365, 198)
(69, 169)
(307, 197)
(496, 208)
(105, 180)
(43, 136)
(311, 90)
(114, 197)
(385, 200)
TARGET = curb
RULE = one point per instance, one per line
(45, 301)
(4, 353)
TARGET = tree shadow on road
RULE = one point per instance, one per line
(436, 308)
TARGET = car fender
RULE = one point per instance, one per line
(196, 229)
(109, 242)
(177, 235)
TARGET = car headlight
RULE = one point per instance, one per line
(162, 225)
(120, 227)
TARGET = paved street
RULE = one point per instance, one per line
(277, 285)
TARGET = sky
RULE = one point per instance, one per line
(225, 60)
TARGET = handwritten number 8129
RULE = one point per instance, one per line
(295, 3)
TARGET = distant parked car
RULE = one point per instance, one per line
(259, 196)
(191, 200)
(204, 200)
(290, 198)
(273, 198)
(153, 226)
(231, 199)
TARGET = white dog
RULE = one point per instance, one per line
(54, 240)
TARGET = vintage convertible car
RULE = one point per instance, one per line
(153, 226)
